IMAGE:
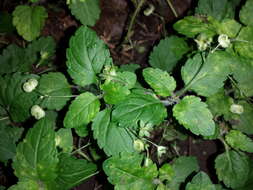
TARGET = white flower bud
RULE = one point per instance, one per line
(30, 85)
(37, 112)
(139, 145)
(224, 40)
(236, 108)
(161, 150)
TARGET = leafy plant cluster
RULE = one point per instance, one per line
(119, 107)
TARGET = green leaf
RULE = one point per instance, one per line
(8, 138)
(14, 99)
(55, 94)
(129, 67)
(243, 122)
(64, 140)
(218, 9)
(27, 185)
(237, 140)
(29, 20)
(125, 172)
(199, 182)
(190, 26)
(87, 12)
(219, 104)
(182, 166)
(36, 157)
(244, 42)
(168, 52)
(166, 172)
(82, 110)
(160, 81)
(82, 131)
(72, 171)
(108, 133)
(194, 115)
(249, 183)
(117, 87)
(230, 27)
(246, 13)
(242, 69)
(6, 23)
(207, 77)
(44, 47)
(139, 107)
(232, 168)
(86, 56)
(14, 59)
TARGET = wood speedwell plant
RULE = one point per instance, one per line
(118, 109)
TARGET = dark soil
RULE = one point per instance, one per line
(112, 28)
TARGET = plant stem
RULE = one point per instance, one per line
(4, 118)
(172, 8)
(136, 12)
(227, 150)
(79, 149)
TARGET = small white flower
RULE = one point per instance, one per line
(224, 40)
(30, 85)
(37, 112)
(161, 150)
(139, 145)
(203, 42)
(236, 108)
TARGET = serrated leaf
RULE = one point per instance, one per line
(168, 52)
(87, 12)
(218, 9)
(64, 140)
(199, 182)
(230, 27)
(207, 77)
(108, 133)
(29, 20)
(55, 90)
(118, 87)
(190, 26)
(243, 122)
(232, 168)
(86, 56)
(72, 171)
(219, 104)
(44, 47)
(82, 110)
(125, 172)
(14, 99)
(8, 138)
(194, 115)
(244, 42)
(160, 81)
(182, 166)
(14, 59)
(36, 157)
(237, 140)
(242, 69)
(139, 107)
(27, 185)
(246, 13)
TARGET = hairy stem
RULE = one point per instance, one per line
(172, 8)
(136, 12)
(4, 118)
